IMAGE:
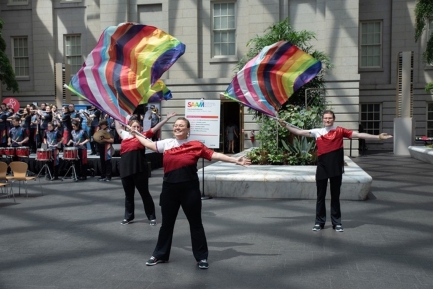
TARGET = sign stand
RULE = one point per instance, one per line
(203, 197)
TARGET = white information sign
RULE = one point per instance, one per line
(204, 117)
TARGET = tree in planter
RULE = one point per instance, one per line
(7, 75)
(272, 135)
(423, 16)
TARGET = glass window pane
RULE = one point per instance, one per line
(217, 37)
(224, 50)
(363, 61)
(217, 49)
(377, 116)
(224, 38)
(232, 37)
(224, 22)
(231, 9)
(430, 116)
(231, 22)
(217, 23)
(231, 47)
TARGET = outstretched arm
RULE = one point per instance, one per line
(363, 135)
(294, 130)
(144, 141)
(239, 161)
(162, 122)
(119, 127)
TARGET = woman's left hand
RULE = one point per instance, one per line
(242, 161)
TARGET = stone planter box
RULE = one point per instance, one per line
(421, 153)
(224, 180)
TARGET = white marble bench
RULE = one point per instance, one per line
(226, 180)
(421, 153)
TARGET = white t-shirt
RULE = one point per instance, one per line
(169, 143)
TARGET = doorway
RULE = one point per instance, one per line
(231, 114)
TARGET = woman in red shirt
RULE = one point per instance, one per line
(180, 187)
(134, 170)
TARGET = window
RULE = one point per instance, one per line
(371, 118)
(430, 119)
(371, 45)
(224, 29)
(73, 52)
(20, 56)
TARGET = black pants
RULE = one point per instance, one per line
(81, 164)
(93, 144)
(141, 182)
(187, 195)
(335, 200)
(106, 167)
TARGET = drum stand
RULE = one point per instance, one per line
(46, 168)
(74, 172)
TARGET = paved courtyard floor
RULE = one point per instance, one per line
(71, 237)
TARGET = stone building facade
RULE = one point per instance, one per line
(363, 39)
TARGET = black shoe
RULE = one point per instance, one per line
(101, 179)
(203, 264)
(92, 153)
(153, 222)
(107, 179)
(55, 179)
(318, 227)
(153, 261)
(125, 222)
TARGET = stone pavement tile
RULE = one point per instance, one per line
(380, 284)
(21, 280)
(374, 277)
(425, 279)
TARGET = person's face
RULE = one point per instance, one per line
(47, 109)
(50, 127)
(15, 122)
(328, 119)
(180, 129)
(42, 106)
(3, 107)
(71, 108)
(134, 126)
(75, 127)
(54, 108)
(65, 109)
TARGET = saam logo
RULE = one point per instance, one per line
(196, 104)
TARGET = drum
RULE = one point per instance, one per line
(2, 151)
(70, 153)
(22, 151)
(9, 151)
(43, 155)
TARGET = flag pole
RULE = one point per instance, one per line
(279, 119)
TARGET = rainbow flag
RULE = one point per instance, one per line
(125, 67)
(267, 81)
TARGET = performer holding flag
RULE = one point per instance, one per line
(330, 165)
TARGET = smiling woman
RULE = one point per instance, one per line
(180, 187)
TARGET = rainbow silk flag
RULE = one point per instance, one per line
(125, 67)
(268, 80)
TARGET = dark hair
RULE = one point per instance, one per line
(134, 120)
(76, 123)
(103, 122)
(329, 112)
(185, 120)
